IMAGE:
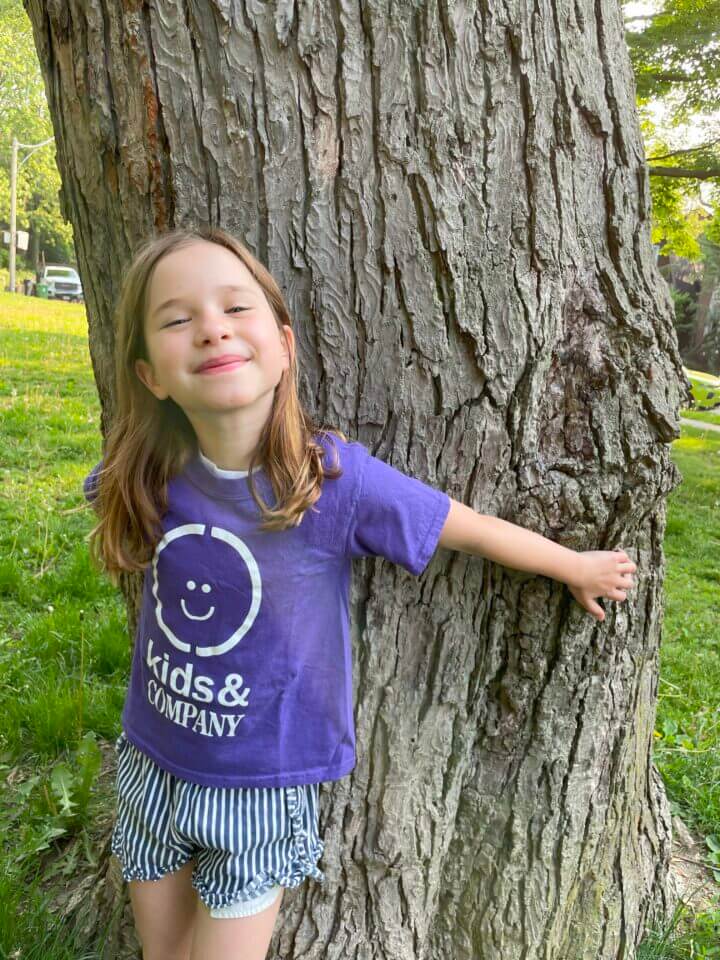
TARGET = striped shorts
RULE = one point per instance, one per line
(247, 842)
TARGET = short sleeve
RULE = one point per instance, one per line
(90, 483)
(395, 516)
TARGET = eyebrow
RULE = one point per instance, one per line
(242, 288)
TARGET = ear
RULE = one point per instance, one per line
(289, 346)
(144, 372)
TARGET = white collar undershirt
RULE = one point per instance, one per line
(219, 472)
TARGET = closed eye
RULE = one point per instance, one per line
(182, 319)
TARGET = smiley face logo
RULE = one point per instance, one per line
(207, 588)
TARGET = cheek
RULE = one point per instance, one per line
(278, 364)
(271, 353)
(170, 353)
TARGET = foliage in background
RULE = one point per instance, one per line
(678, 218)
(685, 310)
(676, 53)
(24, 114)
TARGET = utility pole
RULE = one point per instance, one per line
(14, 166)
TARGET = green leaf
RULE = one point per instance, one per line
(61, 783)
(713, 843)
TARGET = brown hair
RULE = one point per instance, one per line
(151, 440)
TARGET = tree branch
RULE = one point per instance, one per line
(675, 153)
(671, 77)
(687, 172)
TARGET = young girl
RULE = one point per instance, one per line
(245, 515)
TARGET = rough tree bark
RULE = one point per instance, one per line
(454, 198)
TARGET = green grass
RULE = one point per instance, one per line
(687, 746)
(706, 394)
(64, 650)
(704, 416)
(688, 716)
(65, 654)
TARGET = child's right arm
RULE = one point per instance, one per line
(588, 574)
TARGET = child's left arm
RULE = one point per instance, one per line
(590, 574)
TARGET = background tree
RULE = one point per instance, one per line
(24, 114)
(456, 203)
(687, 82)
(674, 53)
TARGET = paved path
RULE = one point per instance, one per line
(699, 423)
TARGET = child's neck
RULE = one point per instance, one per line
(228, 450)
(229, 439)
(221, 471)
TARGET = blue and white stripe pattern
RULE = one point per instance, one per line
(246, 842)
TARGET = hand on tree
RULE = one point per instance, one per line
(602, 573)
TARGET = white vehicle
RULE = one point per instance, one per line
(63, 283)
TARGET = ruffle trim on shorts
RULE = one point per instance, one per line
(308, 852)
(303, 862)
(116, 843)
(132, 873)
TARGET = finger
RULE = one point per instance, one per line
(596, 610)
(617, 595)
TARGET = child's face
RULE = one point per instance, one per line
(205, 323)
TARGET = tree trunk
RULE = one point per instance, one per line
(697, 348)
(455, 200)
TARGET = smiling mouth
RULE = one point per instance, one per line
(192, 616)
(219, 367)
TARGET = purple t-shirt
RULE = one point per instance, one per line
(241, 672)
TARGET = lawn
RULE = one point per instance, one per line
(706, 394)
(65, 654)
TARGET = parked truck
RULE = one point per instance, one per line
(62, 282)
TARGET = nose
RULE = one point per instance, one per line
(212, 326)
